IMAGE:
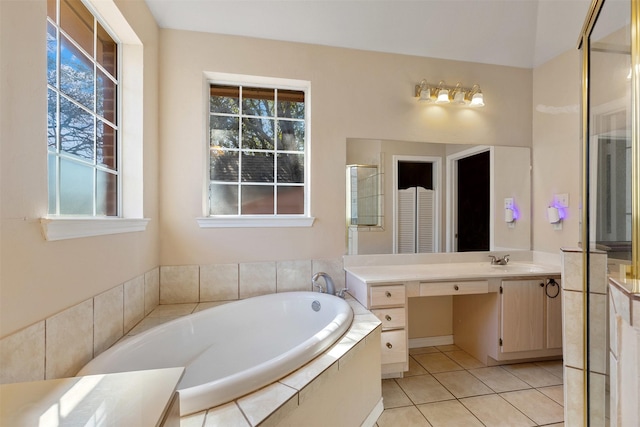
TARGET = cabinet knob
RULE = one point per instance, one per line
(388, 318)
(389, 345)
(542, 285)
(388, 294)
(456, 287)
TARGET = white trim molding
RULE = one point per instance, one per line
(255, 221)
(74, 228)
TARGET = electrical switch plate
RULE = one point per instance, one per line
(508, 203)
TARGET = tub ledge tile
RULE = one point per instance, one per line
(270, 402)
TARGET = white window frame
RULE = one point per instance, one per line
(250, 221)
(59, 227)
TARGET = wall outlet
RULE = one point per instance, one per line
(562, 200)
(508, 203)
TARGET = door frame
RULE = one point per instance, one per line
(436, 171)
(451, 220)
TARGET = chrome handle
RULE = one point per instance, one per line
(389, 345)
(456, 287)
(388, 294)
(388, 318)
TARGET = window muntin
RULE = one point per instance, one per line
(82, 140)
(257, 146)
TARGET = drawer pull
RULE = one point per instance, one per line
(388, 294)
(388, 318)
(456, 287)
(389, 345)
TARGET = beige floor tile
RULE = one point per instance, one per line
(535, 405)
(402, 417)
(423, 350)
(553, 366)
(424, 389)
(498, 379)
(450, 413)
(437, 362)
(533, 374)
(464, 359)
(494, 411)
(555, 392)
(414, 368)
(393, 396)
(462, 384)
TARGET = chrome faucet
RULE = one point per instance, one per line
(499, 261)
(331, 287)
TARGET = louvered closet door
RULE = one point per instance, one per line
(406, 221)
(416, 212)
(425, 220)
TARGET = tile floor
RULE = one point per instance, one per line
(445, 386)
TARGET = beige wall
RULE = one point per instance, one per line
(40, 278)
(556, 149)
(354, 94)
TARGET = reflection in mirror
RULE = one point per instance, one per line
(610, 133)
(363, 193)
(509, 178)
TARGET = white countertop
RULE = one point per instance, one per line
(449, 271)
(126, 399)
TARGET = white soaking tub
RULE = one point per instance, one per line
(233, 349)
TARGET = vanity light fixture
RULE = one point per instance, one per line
(443, 94)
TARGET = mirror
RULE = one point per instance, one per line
(456, 222)
(363, 194)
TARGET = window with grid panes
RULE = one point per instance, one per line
(82, 77)
(257, 145)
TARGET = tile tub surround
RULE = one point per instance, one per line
(69, 339)
(573, 340)
(60, 345)
(345, 378)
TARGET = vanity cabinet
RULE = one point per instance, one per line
(523, 320)
(388, 302)
(530, 319)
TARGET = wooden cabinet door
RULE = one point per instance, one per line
(522, 323)
(554, 315)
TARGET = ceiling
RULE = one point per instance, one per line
(519, 33)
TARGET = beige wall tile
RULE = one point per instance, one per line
(598, 282)
(573, 396)
(22, 355)
(598, 333)
(133, 302)
(257, 278)
(572, 271)
(621, 303)
(293, 276)
(151, 290)
(219, 282)
(333, 267)
(69, 338)
(108, 315)
(179, 283)
(572, 338)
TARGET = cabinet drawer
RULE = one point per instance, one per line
(391, 318)
(454, 288)
(393, 346)
(386, 296)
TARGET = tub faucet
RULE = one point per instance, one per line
(499, 261)
(331, 288)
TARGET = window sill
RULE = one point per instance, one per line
(254, 221)
(61, 228)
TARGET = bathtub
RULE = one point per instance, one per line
(233, 349)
